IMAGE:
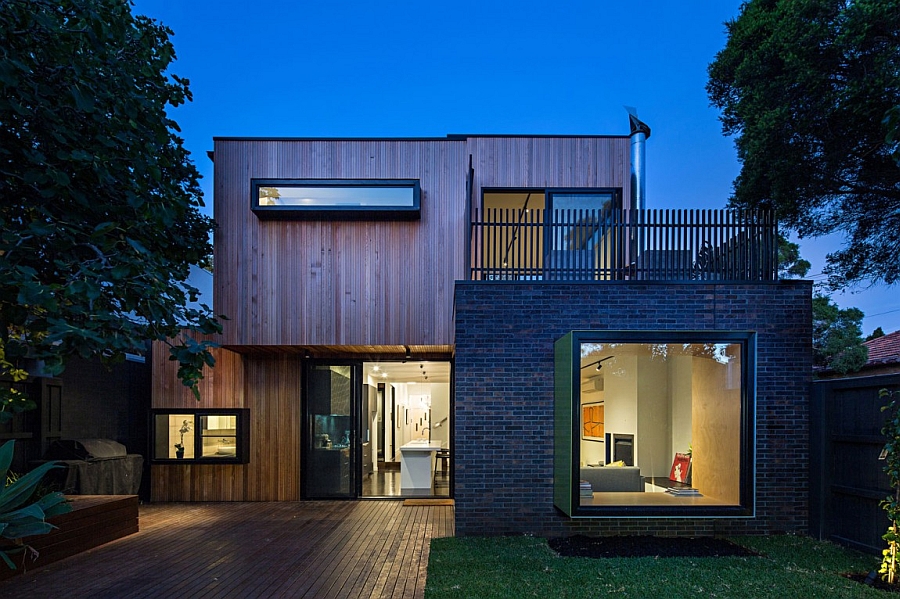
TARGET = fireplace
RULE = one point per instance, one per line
(620, 447)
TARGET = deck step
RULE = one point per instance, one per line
(93, 521)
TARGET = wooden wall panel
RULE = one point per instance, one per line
(270, 387)
(221, 387)
(540, 162)
(339, 283)
(716, 426)
(273, 396)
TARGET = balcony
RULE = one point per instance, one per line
(623, 245)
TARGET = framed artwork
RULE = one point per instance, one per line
(592, 421)
(681, 468)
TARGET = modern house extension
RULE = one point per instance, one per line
(498, 319)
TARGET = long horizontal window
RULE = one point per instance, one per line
(654, 424)
(336, 198)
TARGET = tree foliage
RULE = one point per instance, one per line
(790, 264)
(99, 219)
(837, 336)
(811, 91)
(890, 562)
(878, 332)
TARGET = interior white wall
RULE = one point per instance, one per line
(374, 417)
(653, 441)
(440, 409)
(680, 393)
(620, 393)
(400, 433)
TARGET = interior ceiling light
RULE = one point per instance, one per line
(376, 368)
(408, 352)
(598, 363)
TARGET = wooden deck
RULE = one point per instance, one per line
(219, 550)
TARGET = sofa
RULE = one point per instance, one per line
(613, 478)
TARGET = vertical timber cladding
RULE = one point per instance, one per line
(269, 386)
(339, 283)
(539, 162)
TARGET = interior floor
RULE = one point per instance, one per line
(386, 483)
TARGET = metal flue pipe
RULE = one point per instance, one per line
(640, 132)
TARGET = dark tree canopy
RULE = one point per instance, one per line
(99, 200)
(790, 264)
(878, 332)
(811, 91)
(837, 336)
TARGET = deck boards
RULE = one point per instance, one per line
(224, 550)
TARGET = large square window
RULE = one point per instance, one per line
(654, 424)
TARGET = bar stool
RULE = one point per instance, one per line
(442, 456)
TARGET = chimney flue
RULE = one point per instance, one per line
(639, 134)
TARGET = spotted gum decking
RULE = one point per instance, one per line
(220, 550)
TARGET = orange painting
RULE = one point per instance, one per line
(592, 421)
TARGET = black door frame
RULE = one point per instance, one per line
(307, 435)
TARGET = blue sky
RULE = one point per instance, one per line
(398, 69)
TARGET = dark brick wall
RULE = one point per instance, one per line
(503, 445)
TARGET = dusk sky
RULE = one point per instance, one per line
(427, 69)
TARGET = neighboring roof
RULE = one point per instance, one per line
(884, 350)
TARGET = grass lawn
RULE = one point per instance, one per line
(789, 566)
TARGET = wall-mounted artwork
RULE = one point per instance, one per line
(592, 421)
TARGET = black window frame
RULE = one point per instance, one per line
(242, 435)
(412, 212)
(567, 433)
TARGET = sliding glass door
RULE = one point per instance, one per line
(330, 452)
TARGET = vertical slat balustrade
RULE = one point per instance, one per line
(671, 245)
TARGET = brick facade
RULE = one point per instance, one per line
(504, 365)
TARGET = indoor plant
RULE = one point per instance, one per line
(179, 447)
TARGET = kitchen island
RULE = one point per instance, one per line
(417, 466)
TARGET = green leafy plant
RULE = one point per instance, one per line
(185, 428)
(100, 202)
(21, 514)
(889, 563)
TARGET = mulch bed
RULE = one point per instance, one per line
(646, 546)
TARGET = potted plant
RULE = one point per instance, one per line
(179, 447)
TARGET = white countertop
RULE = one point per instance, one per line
(421, 446)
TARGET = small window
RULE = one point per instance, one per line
(654, 424)
(369, 199)
(213, 435)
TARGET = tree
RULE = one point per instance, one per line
(790, 264)
(837, 336)
(811, 91)
(878, 332)
(99, 218)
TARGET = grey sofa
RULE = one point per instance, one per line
(612, 478)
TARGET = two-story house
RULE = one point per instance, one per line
(499, 319)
